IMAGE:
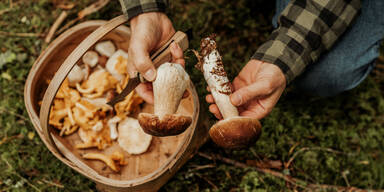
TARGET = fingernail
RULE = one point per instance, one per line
(150, 74)
(236, 99)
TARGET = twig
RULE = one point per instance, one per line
(313, 148)
(243, 165)
(2, 110)
(55, 25)
(208, 181)
(294, 181)
(5, 10)
(53, 183)
(5, 33)
(6, 138)
(199, 167)
(86, 11)
(18, 175)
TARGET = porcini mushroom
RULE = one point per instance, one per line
(234, 131)
(168, 89)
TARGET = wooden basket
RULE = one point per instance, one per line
(146, 172)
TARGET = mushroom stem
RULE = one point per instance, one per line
(168, 88)
(234, 131)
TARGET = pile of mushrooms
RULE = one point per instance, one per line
(80, 106)
(234, 131)
(168, 89)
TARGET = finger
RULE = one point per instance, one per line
(145, 91)
(260, 108)
(215, 110)
(177, 54)
(247, 93)
(208, 89)
(209, 99)
(140, 59)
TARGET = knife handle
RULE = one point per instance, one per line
(163, 54)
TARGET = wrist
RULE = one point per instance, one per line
(149, 16)
(275, 70)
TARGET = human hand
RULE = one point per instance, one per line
(257, 89)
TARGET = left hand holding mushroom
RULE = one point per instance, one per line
(145, 90)
(257, 89)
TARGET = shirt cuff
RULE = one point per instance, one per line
(131, 10)
(289, 51)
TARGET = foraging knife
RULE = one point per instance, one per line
(161, 56)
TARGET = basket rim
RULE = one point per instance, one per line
(171, 161)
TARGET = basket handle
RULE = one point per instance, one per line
(160, 56)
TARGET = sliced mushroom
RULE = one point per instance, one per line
(90, 58)
(168, 88)
(117, 64)
(106, 48)
(112, 124)
(234, 131)
(132, 138)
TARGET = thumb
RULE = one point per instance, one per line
(247, 93)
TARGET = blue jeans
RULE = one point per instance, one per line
(351, 58)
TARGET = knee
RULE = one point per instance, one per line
(333, 82)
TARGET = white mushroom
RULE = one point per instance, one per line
(90, 58)
(117, 64)
(168, 88)
(76, 75)
(112, 127)
(106, 48)
(132, 138)
(234, 131)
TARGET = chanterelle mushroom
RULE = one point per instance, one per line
(168, 89)
(234, 131)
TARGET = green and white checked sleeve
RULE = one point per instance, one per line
(132, 8)
(306, 29)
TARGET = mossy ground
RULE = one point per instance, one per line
(350, 124)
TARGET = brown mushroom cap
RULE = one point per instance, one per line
(167, 126)
(235, 132)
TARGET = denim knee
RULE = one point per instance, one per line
(330, 83)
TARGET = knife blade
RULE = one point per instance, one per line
(132, 84)
(161, 56)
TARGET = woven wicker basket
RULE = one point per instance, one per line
(145, 172)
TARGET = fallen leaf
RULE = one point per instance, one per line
(6, 75)
(31, 135)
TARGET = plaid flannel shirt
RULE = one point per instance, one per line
(132, 8)
(306, 29)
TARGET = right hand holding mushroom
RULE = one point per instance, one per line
(257, 89)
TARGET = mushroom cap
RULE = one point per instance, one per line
(167, 126)
(235, 132)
